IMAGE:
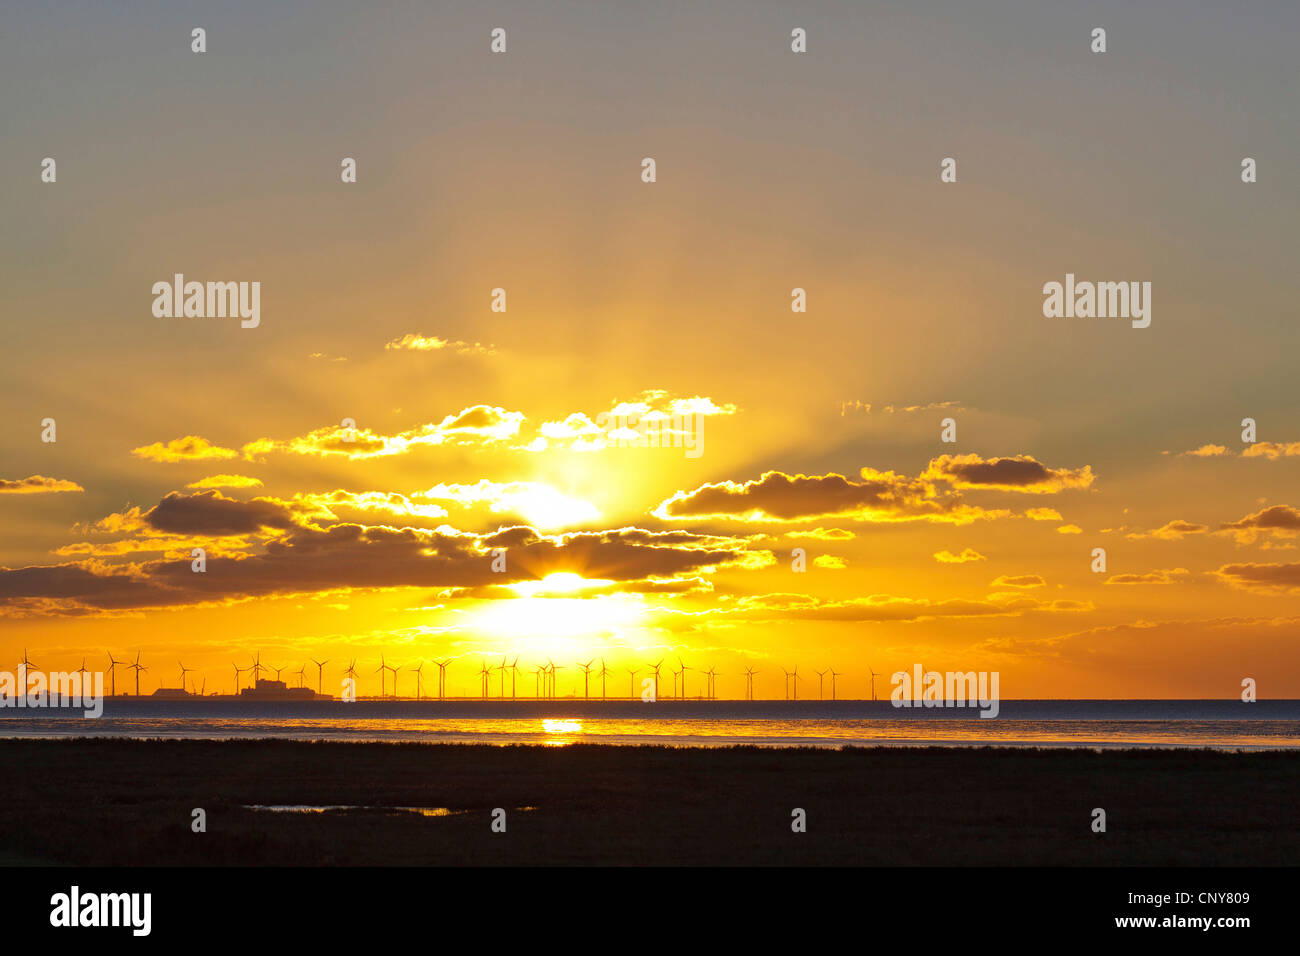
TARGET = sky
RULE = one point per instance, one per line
(479, 432)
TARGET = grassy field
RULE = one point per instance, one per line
(122, 802)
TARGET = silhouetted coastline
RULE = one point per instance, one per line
(130, 802)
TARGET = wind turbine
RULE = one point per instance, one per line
(23, 665)
(586, 678)
(277, 670)
(794, 681)
(711, 685)
(381, 671)
(749, 683)
(604, 672)
(514, 676)
(137, 667)
(538, 671)
(484, 676)
(503, 670)
(320, 672)
(874, 675)
(655, 668)
(419, 676)
(184, 670)
(442, 677)
(112, 674)
(351, 671)
(631, 686)
(682, 672)
(301, 672)
(238, 670)
(257, 668)
(834, 674)
(83, 679)
(394, 670)
(821, 683)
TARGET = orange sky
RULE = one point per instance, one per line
(479, 429)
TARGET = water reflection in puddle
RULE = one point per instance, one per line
(345, 808)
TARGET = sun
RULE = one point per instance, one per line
(558, 582)
(546, 620)
(545, 508)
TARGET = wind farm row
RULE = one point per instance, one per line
(590, 680)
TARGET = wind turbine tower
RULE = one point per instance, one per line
(514, 677)
(320, 672)
(586, 678)
(112, 674)
(137, 667)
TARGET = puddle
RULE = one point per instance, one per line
(344, 808)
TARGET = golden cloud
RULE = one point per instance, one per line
(189, 448)
(37, 485)
(226, 481)
(967, 555)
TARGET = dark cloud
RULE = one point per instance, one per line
(1279, 520)
(1022, 473)
(212, 513)
(308, 559)
(776, 496)
(1268, 578)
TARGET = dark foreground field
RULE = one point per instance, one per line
(116, 802)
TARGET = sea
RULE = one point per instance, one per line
(1096, 724)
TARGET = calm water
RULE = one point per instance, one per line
(1058, 723)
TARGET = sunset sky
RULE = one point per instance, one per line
(476, 429)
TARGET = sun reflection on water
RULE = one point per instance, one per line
(559, 729)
